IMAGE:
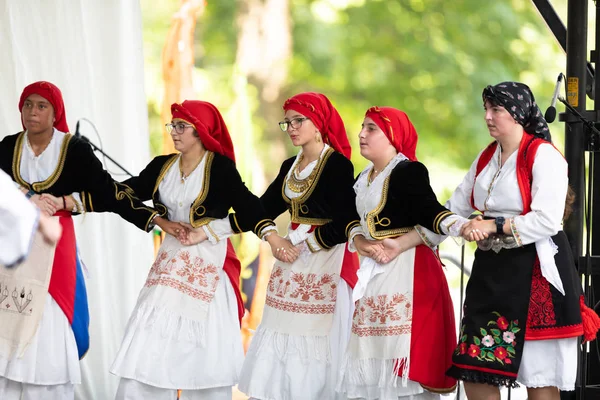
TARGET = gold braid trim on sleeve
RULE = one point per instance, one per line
(351, 225)
(319, 239)
(213, 233)
(261, 225)
(438, 220)
(236, 228)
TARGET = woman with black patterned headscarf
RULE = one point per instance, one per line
(524, 310)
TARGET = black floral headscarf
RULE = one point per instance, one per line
(518, 100)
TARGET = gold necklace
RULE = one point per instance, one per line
(184, 176)
(372, 175)
(301, 185)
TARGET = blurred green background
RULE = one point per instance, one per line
(430, 58)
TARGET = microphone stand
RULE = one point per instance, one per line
(98, 149)
(594, 133)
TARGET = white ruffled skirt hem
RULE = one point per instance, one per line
(163, 349)
(279, 366)
(549, 363)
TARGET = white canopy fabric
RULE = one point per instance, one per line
(92, 50)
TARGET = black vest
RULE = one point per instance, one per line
(78, 171)
(329, 202)
(222, 189)
(406, 200)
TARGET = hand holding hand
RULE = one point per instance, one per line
(56, 201)
(189, 236)
(368, 248)
(172, 228)
(478, 229)
(282, 249)
(392, 248)
(46, 204)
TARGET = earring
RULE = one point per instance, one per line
(318, 137)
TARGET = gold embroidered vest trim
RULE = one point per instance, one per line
(373, 218)
(46, 184)
(297, 206)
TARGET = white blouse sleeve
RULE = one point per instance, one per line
(548, 193)
(460, 202)
(357, 230)
(450, 226)
(18, 222)
(77, 206)
(311, 242)
(429, 238)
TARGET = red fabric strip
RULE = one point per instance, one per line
(433, 330)
(487, 370)
(64, 269)
(233, 268)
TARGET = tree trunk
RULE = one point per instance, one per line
(178, 61)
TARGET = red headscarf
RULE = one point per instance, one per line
(51, 93)
(397, 127)
(209, 124)
(323, 114)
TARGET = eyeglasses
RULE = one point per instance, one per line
(295, 123)
(179, 127)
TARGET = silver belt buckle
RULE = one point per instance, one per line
(497, 243)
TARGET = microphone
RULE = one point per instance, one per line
(550, 114)
(79, 135)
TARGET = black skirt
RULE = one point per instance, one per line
(507, 302)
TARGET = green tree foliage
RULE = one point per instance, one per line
(430, 58)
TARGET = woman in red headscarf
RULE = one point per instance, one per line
(39, 356)
(403, 329)
(184, 332)
(296, 350)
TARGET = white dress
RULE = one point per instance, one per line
(297, 349)
(544, 362)
(184, 332)
(51, 360)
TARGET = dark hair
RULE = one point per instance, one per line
(493, 101)
(570, 199)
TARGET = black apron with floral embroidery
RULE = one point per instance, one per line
(507, 302)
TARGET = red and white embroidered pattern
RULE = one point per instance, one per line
(302, 293)
(187, 274)
(541, 307)
(382, 315)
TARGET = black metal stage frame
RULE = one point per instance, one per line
(581, 139)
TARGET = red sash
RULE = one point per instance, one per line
(433, 329)
(64, 274)
(67, 284)
(233, 268)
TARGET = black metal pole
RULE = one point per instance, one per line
(574, 138)
(553, 21)
(574, 135)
